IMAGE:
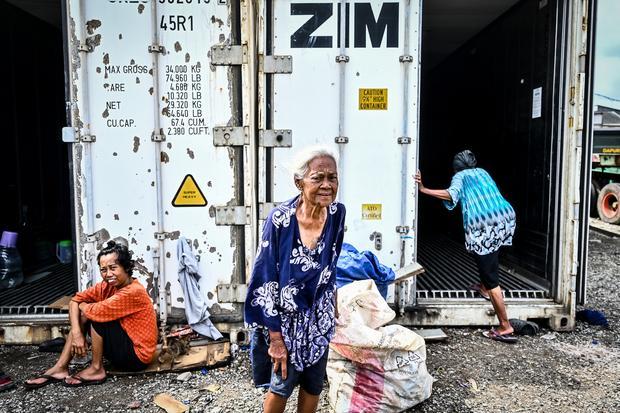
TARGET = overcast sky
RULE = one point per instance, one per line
(607, 58)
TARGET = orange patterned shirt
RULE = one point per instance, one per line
(131, 306)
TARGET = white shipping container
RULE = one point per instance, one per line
(185, 114)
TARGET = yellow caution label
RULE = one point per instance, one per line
(611, 150)
(371, 211)
(373, 99)
(189, 194)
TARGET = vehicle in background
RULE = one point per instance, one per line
(605, 191)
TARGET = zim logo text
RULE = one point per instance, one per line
(364, 21)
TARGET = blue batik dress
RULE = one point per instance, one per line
(292, 287)
(489, 220)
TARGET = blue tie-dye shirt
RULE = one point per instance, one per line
(488, 219)
(292, 287)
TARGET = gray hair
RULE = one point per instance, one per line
(301, 161)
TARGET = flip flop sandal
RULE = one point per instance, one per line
(504, 338)
(84, 382)
(6, 383)
(478, 288)
(50, 380)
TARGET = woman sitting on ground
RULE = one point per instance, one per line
(118, 315)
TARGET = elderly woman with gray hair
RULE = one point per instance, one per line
(489, 222)
(291, 300)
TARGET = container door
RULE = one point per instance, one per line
(203, 160)
(112, 119)
(345, 75)
(586, 151)
(157, 98)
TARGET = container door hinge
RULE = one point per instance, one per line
(275, 138)
(86, 138)
(92, 237)
(156, 48)
(228, 55)
(404, 140)
(230, 136)
(405, 58)
(232, 215)
(161, 236)
(158, 137)
(231, 293)
(86, 46)
(402, 229)
(276, 64)
(264, 208)
(341, 139)
(342, 59)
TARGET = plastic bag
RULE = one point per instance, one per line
(354, 265)
(373, 367)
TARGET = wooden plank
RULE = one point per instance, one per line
(431, 334)
(210, 355)
(411, 270)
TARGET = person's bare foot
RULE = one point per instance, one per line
(89, 374)
(59, 374)
(504, 330)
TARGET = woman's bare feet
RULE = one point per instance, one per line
(88, 374)
(54, 372)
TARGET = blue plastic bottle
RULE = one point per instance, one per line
(11, 274)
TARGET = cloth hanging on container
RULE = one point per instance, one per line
(195, 306)
(354, 265)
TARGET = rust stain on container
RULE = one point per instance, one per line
(169, 145)
(215, 20)
(212, 249)
(106, 85)
(92, 25)
(93, 41)
(210, 184)
(98, 69)
(114, 154)
(190, 153)
(164, 157)
(136, 212)
(153, 185)
(140, 8)
(186, 57)
(136, 143)
(133, 241)
(106, 59)
(120, 36)
(132, 62)
(180, 299)
(168, 255)
(212, 211)
(116, 217)
(98, 216)
(196, 243)
(151, 91)
(137, 80)
(177, 47)
(105, 113)
(174, 235)
(210, 295)
(165, 112)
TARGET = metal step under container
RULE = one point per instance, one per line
(450, 271)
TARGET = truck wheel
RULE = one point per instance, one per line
(608, 203)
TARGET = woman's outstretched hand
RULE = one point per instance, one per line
(279, 355)
(418, 179)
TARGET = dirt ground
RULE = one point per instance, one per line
(551, 372)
